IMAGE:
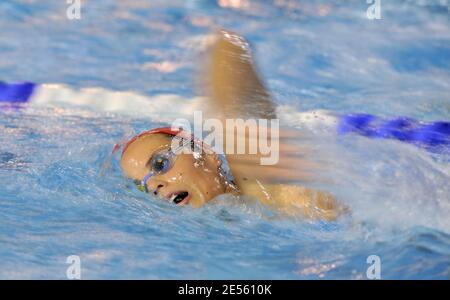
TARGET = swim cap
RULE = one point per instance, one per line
(165, 130)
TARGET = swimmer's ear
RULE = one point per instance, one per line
(231, 82)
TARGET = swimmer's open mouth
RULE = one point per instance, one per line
(180, 198)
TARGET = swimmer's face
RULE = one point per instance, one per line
(184, 182)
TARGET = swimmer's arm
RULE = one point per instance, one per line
(287, 162)
(295, 200)
(235, 90)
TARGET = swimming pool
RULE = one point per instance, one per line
(123, 68)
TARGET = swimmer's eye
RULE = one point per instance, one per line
(160, 162)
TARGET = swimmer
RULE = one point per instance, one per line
(234, 90)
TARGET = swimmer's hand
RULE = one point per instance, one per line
(231, 82)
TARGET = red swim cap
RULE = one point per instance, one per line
(165, 130)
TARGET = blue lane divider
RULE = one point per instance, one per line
(16, 92)
(430, 135)
(434, 136)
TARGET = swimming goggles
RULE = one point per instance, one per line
(160, 162)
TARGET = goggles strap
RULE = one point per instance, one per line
(146, 178)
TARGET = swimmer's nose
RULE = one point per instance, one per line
(155, 186)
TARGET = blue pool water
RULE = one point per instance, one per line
(58, 197)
